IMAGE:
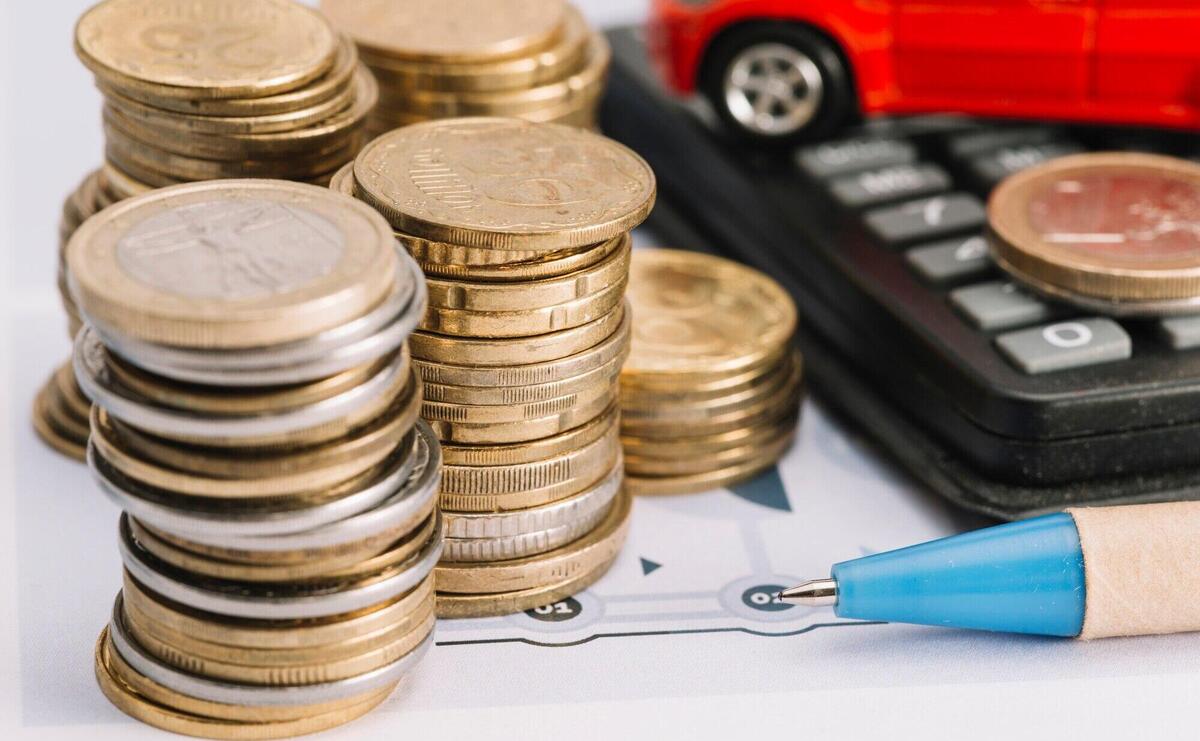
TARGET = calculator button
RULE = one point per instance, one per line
(852, 155)
(1181, 332)
(989, 169)
(951, 259)
(1065, 345)
(974, 143)
(894, 183)
(999, 305)
(927, 218)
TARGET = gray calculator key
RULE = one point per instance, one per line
(951, 259)
(894, 183)
(999, 305)
(1181, 332)
(991, 168)
(927, 218)
(974, 143)
(1072, 344)
(852, 155)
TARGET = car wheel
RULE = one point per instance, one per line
(777, 84)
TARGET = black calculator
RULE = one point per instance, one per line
(998, 399)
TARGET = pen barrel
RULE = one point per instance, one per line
(1021, 577)
(1141, 568)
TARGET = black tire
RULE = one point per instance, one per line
(837, 100)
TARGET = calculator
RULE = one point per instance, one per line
(1000, 400)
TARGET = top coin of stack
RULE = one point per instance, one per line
(710, 393)
(208, 89)
(1117, 233)
(256, 416)
(531, 59)
(523, 231)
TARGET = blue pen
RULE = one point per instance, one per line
(1087, 572)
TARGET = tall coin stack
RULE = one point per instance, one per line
(710, 394)
(207, 89)
(522, 230)
(531, 59)
(256, 418)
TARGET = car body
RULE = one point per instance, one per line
(1095, 61)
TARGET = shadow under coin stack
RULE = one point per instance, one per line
(257, 419)
(522, 230)
(200, 90)
(711, 391)
(531, 59)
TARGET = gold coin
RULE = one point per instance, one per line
(584, 410)
(1115, 227)
(582, 556)
(58, 439)
(316, 670)
(276, 262)
(64, 380)
(650, 464)
(504, 488)
(709, 480)
(480, 414)
(138, 704)
(703, 314)
(529, 295)
(231, 474)
(552, 63)
(326, 86)
(125, 150)
(582, 85)
(122, 184)
(683, 387)
(529, 451)
(543, 266)
(150, 177)
(449, 30)
(513, 351)
(492, 183)
(691, 446)
(531, 398)
(273, 634)
(221, 401)
(530, 322)
(205, 48)
(529, 375)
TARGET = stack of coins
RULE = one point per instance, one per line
(60, 410)
(531, 59)
(523, 232)
(710, 394)
(1114, 233)
(256, 418)
(206, 89)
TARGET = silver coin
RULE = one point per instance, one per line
(274, 602)
(457, 550)
(149, 505)
(538, 519)
(105, 389)
(373, 335)
(406, 504)
(254, 695)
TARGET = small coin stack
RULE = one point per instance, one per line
(522, 230)
(60, 411)
(206, 89)
(1114, 233)
(531, 59)
(710, 394)
(257, 419)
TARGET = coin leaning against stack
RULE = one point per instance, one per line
(710, 394)
(256, 419)
(531, 59)
(522, 230)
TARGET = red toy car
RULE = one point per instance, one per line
(784, 70)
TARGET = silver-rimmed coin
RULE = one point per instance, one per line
(254, 695)
(103, 386)
(275, 602)
(373, 335)
(537, 519)
(456, 550)
(151, 506)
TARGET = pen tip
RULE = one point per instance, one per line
(814, 593)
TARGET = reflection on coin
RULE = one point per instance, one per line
(1114, 229)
